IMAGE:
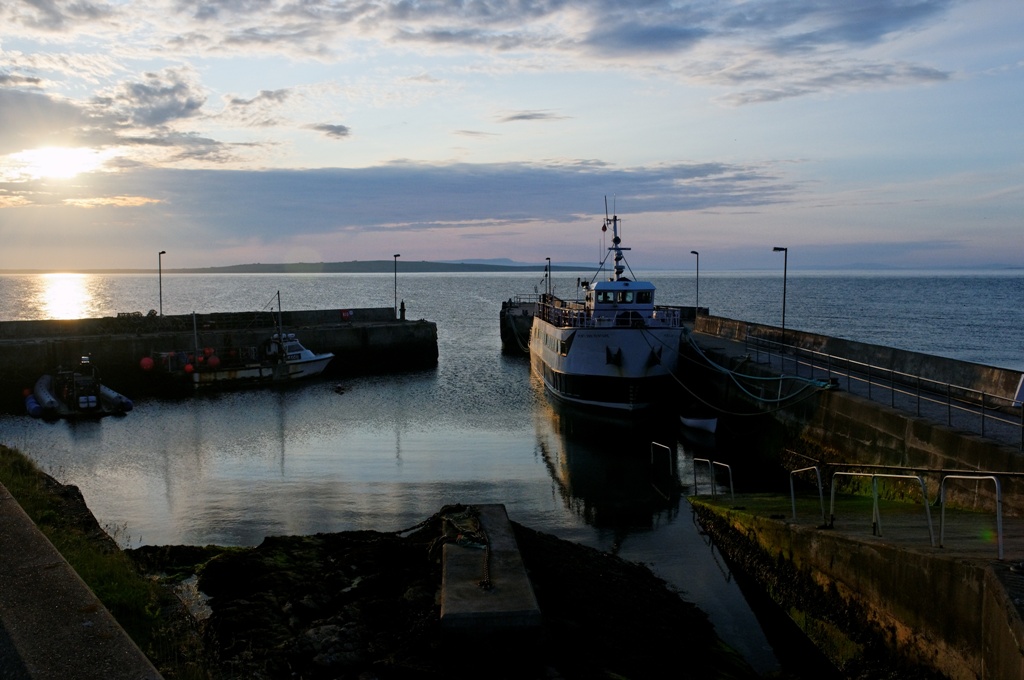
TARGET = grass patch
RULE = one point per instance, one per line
(147, 612)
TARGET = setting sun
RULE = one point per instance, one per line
(58, 162)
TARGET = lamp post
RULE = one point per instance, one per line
(785, 266)
(696, 304)
(548, 270)
(396, 256)
(160, 277)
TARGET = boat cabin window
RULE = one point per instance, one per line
(644, 297)
(624, 296)
(606, 296)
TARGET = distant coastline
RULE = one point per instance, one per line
(353, 267)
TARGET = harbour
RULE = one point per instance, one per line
(233, 468)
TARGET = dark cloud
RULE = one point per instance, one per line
(636, 38)
(529, 116)
(159, 99)
(15, 80)
(418, 196)
(58, 15)
(272, 96)
(335, 131)
(29, 118)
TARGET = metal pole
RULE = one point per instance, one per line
(160, 277)
(696, 304)
(396, 256)
(785, 267)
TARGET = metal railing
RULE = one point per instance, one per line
(919, 478)
(963, 407)
(714, 482)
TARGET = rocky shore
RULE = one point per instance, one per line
(364, 605)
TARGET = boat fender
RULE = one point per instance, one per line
(32, 406)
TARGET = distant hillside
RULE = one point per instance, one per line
(370, 267)
(354, 267)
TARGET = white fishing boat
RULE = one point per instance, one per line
(281, 358)
(614, 349)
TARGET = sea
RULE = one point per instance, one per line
(384, 452)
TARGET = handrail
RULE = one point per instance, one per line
(922, 390)
(668, 454)
(711, 468)
(821, 494)
(999, 507)
(876, 516)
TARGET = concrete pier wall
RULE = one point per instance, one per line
(362, 340)
(977, 377)
(950, 614)
(837, 428)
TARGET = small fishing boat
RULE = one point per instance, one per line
(614, 349)
(75, 393)
(279, 359)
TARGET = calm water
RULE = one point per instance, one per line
(386, 452)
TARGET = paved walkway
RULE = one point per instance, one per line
(51, 624)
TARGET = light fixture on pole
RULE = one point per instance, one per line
(696, 305)
(785, 266)
(548, 270)
(396, 256)
(160, 277)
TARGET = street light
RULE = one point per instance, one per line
(785, 265)
(160, 277)
(396, 256)
(696, 306)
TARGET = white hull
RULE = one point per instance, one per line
(619, 368)
(263, 373)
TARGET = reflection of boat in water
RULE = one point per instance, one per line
(604, 465)
(75, 393)
(615, 349)
(279, 359)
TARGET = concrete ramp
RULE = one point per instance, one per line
(486, 590)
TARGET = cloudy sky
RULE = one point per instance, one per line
(853, 132)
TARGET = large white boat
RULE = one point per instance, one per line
(614, 349)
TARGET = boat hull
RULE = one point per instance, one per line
(256, 374)
(617, 368)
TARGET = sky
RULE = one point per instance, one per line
(854, 133)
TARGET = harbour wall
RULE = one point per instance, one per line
(834, 428)
(363, 341)
(868, 599)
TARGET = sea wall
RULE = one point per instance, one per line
(362, 340)
(862, 599)
(835, 427)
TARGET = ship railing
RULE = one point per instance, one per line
(990, 415)
(574, 314)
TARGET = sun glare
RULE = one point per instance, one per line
(65, 296)
(58, 162)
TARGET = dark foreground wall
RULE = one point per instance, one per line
(362, 340)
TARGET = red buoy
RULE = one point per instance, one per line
(146, 363)
(213, 361)
(189, 368)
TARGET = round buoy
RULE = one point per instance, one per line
(213, 361)
(189, 368)
(26, 392)
(146, 363)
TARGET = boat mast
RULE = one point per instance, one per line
(616, 246)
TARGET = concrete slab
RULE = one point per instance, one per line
(49, 618)
(509, 604)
